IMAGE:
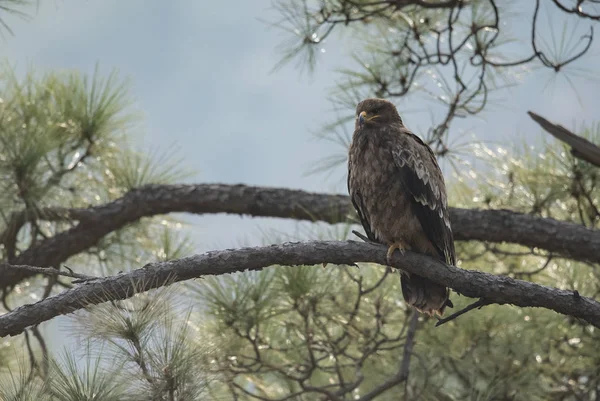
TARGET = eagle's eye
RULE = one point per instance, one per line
(375, 111)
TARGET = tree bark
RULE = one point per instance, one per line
(475, 284)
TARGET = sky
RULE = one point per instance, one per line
(201, 73)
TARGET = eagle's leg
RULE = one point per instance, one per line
(400, 246)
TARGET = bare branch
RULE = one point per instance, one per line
(475, 305)
(580, 147)
(577, 10)
(495, 289)
(48, 271)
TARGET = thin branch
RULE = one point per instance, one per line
(495, 289)
(580, 147)
(33, 365)
(44, 358)
(475, 305)
(49, 271)
(562, 238)
(577, 10)
(408, 346)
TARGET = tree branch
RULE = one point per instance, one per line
(561, 238)
(496, 289)
(580, 147)
(477, 304)
(48, 271)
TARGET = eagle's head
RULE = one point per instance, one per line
(376, 112)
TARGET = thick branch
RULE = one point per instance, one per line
(568, 239)
(496, 289)
(580, 147)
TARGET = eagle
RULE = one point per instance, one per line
(398, 191)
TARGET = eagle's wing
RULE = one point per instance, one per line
(357, 202)
(422, 177)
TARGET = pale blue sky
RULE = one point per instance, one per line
(200, 72)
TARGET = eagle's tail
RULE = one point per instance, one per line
(425, 295)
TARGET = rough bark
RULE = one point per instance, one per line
(475, 284)
(568, 239)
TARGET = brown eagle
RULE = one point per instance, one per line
(398, 190)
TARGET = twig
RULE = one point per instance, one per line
(33, 365)
(408, 346)
(45, 358)
(477, 304)
(49, 271)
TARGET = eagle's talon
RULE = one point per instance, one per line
(396, 245)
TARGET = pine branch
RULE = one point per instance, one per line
(561, 238)
(495, 289)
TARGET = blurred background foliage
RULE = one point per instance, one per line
(309, 333)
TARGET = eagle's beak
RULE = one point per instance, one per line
(362, 117)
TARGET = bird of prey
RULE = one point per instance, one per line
(398, 191)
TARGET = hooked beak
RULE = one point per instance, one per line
(362, 117)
